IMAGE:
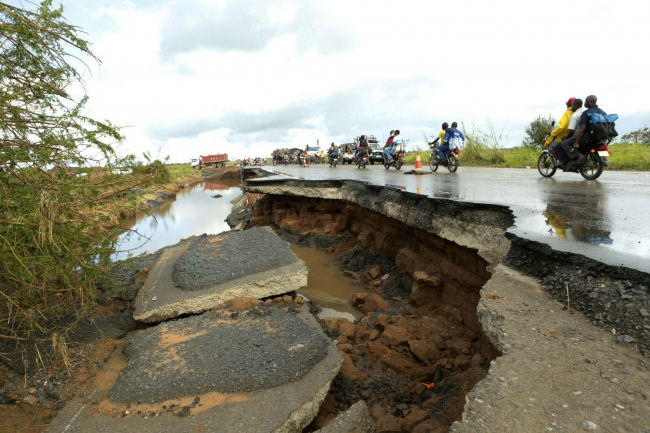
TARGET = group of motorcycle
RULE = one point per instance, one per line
(451, 161)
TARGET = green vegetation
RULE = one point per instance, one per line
(60, 201)
(537, 130)
(640, 136)
(626, 156)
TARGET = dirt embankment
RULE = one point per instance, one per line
(421, 325)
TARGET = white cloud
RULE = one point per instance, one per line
(261, 78)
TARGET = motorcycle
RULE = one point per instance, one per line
(362, 161)
(334, 160)
(451, 161)
(398, 159)
(591, 167)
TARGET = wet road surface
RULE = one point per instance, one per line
(606, 219)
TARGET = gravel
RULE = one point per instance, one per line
(209, 262)
(613, 298)
(263, 348)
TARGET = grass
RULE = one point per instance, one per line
(626, 156)
(181, 173)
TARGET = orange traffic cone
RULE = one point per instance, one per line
(418, 163)
(304, 162)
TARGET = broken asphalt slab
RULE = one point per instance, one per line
(264, 370)
(197, 275)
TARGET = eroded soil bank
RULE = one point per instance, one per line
(420, 325)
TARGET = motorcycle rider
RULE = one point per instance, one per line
(388, 148)
(570, 145)
(364, 147)
(560, 133)
(578, 109)
(333, 150)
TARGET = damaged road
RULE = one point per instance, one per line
(448, 252)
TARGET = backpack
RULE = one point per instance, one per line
(600, 127)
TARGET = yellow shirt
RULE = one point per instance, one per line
(560, 132)
(441, 136)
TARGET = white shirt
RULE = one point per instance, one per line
(575, 118)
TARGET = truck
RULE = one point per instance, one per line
(346, 153)
(216, 160)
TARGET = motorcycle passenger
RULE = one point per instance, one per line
(570, 145)
(333, 150)
(457, 132)
(364, 147)
(578, 109)
(441, 134)
(388, 148)
(560, 133)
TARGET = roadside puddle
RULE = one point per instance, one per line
(327, 286)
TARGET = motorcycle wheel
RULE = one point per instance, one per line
(386, 166)
(398, 166)
(433, 162)
(363, 164)
(593, 167)
(452, 164)
(546, 164)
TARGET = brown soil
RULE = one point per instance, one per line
(416, 354)
(85, 360)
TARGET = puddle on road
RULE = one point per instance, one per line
(192, 212)
(327, 286)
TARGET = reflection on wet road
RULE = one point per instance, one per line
(604, 219)
(193, 212)
(327, 286)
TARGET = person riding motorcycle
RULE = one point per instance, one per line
(561, 132)
(582, 142)
(364, 147)
(450, 134)
(388, 148)
(333, 150)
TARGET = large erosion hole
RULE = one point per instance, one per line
(421, 325)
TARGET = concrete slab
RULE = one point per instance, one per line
(357, 419)
(264, 370)
(197, 275)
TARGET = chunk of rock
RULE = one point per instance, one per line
(203, 273)
(414, 418)
(394, 335)
(357, 419)
(369, 302)
(389, 424)
(246, 363)
(349, 370)
(243, 303)
(374, 272)
(424, 350)
(343, 326)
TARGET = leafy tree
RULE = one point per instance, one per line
(537, 130)
(57, 191)
(641, 136)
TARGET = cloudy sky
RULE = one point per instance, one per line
(244, 77)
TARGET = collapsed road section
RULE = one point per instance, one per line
(199, 274)
(441, 321)
(252, 367)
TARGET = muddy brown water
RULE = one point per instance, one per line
(327, 286)
(193, 212)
